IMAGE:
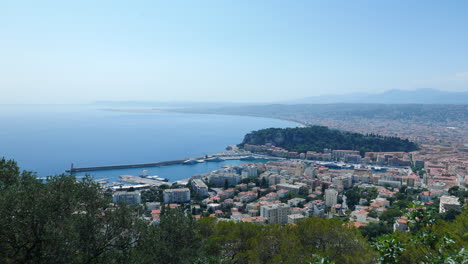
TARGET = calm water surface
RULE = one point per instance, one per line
(47, 139)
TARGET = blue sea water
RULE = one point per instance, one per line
(172, 172)
(47, 139)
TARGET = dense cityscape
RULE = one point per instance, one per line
(234, 132)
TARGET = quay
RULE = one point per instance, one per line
(127, 166)
(226, 155)
(139, 180)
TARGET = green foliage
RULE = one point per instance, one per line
(390, 215)
(389, 248)
(61, 220)
(316, 138)
(373, 230)
(151, 195)
(313, 240)
(429, 241)
(174, 240)
(461, 193)
(353, 195)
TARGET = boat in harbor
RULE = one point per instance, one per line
(214, 159)
(248, 158)
(190, 161)
(157, 178)
(144, 174)
(193, 161)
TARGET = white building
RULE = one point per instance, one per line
(181, 195)
(310, 172)
(127, 197)
(331, 197)
(249, 172)
(447, 202)
(200, 188)
(292, 219)
(221, 179)
(295, 202)
(290, 187)
(275, 213)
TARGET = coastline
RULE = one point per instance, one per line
(184, 111)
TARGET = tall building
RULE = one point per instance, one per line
(331, 197)
(181, 195)
(310, 172)
(200, 188)
(127, 197)
(220, 179)
(250, 172)
(275, 213)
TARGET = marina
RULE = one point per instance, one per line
(216, 157)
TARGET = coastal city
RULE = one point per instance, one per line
(331, 184)
(234, 132)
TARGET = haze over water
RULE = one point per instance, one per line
(47, 139)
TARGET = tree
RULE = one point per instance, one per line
(373, 230)
(390, 249)
(61, 220)
(331, 238)
(174, 240)
(373, 214)
(389, 215)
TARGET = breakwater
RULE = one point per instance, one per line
(125, 166)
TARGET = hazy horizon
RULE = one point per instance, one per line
(56, 52)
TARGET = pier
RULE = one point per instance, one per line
(126, 166)
(226, 155)
(139, 180)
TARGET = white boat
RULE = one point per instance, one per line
(190, 161)
(156, 177)
(214, 159)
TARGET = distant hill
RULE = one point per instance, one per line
(416, 113)
(316, 138)
(420, 96)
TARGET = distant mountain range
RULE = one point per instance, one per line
(419, 96)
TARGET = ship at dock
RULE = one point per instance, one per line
(192, 161)
(214, 159)
(144, 174)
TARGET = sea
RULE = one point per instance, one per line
(47, 139)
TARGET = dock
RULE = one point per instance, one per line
(140, 180)
(226, 155)
(126, 166)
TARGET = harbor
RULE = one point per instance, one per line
(216, 157)
(147, 174)
(140, 180)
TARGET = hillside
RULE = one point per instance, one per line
(415, 113)
(316, 138)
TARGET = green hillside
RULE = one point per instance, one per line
(316, 138)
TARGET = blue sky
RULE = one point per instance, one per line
(250, 51)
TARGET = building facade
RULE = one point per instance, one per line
(181, 195)
(127, 197)
(275, 213)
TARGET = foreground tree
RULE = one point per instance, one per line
(61, 220)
